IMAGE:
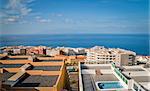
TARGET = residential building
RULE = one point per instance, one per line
(140, 76)
(37, 50)
(52, 52)
(98, 77)
(16, 51)
(43, 74)
(142, 59)
(103, 55)
(23, 51)
(93, 76)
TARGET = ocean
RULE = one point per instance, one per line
(138, 43)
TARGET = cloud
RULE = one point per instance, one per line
(18, 7)
(13, 18)
(37, 17)
(15, 9)
(42, 20)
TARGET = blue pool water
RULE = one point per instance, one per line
(109, 85)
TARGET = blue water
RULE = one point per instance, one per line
(110, 85)
(137, 43)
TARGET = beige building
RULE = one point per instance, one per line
(52, 52)
(107, 55)
(19, 73)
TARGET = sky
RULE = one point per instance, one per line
(74, 16)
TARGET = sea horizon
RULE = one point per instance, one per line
(138, 43)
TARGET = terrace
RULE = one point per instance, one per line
(139, 74)
(93, 73)
(90, 80)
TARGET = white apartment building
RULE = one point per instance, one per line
(52, 52)
(102, 55)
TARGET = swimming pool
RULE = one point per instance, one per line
(109, 85)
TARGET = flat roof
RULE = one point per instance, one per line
(14, 59)
(145, 85)
(141, 78)
(47, 68)
(10, 65)
(148, 69)
(138, 69)
(37, 81)
(51, 60)
(89, 80)
(95, 67)
(1, 57)
(7, 75)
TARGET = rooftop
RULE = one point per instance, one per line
(140, 74)
(138, 69)
(50, 60)
(47, 68)
(90, 79)
(7, 75)
(37, 81)
(10, 65)
(95, 67)
(14, 58)
(91, 74)
(141, 78)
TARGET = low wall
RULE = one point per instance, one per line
(88, 71)
(80, 78)
(40, 72)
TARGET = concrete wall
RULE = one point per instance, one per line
(62, 80)
(15, 61)
(103, 71)
(40, 72)
(88, 71)
(80, 78)
(124, 59)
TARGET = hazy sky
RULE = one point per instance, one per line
(73, 16)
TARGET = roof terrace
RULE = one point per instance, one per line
(92, 73)
(140, 75)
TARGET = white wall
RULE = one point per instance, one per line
(106, 71)
(88, 71)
